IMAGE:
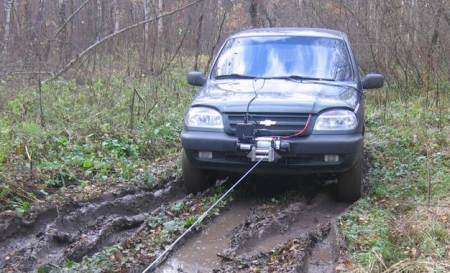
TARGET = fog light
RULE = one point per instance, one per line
(331, 158)
(205, 154)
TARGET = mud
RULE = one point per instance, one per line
(47, 236)
(200, 253)
(289, 227)
(326, 253)
(275, 224)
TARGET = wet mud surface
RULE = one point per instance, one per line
(50, 235)
(275, 224)
(277, 227)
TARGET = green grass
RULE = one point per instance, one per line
(403, 224)
(92, 133)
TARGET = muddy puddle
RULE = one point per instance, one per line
(325, 253)
(249, 235)
(295, 221)
(202, 251)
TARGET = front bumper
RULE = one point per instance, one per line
(305, 156)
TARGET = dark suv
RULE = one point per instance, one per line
(289, 97)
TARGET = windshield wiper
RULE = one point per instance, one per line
(234, 76)
(301, 78)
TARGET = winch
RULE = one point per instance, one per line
(265, 148)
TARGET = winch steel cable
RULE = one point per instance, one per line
(201, 217)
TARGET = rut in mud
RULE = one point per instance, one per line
(276, 224)
(48, 236)
(282, 226)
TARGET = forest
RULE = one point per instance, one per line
(405, 40)
(93, 93)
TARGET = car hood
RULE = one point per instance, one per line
(276, 95)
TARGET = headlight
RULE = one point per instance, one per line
(336, 120)
(203, 117)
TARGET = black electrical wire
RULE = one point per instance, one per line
(247, 113)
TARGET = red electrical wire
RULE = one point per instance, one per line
(302, 131)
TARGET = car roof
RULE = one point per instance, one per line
(291, 31)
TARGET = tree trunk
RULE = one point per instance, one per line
(71, 11)
(146, 16)
(99, 18)
(253, 10)
(42, 53)
(219, 32)
(158, 47)
(146, 4)
(63, 34)
(8, 5)
(199, 37)
(160, 20)
(259, 16)
(430, 62)
(116, 15)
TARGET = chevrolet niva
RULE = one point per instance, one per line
(291, 98)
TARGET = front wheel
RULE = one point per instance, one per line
(196, 180)
(350, 183)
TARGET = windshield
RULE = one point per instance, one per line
(267, 57)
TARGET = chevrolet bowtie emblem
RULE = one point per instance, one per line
(267, 122)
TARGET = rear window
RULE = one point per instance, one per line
(314, 57)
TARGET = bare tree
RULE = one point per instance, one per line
(116, 14)
(8, 6)
(199, 37)
(160, 20)
(259, 15)
(106, 38)
(223, 13)
(145, 4)
(63, 32)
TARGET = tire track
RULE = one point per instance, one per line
(288, 227)
(50, 235)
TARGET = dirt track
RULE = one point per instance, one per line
(283, 226)
(287, 226)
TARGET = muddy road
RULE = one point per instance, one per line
(283, 226)
(273, 224)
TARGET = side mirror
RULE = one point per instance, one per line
(196, 78)
(371, 81)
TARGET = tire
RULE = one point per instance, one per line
(350, 183)
(196, 180)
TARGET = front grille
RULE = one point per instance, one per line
(285, 123)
